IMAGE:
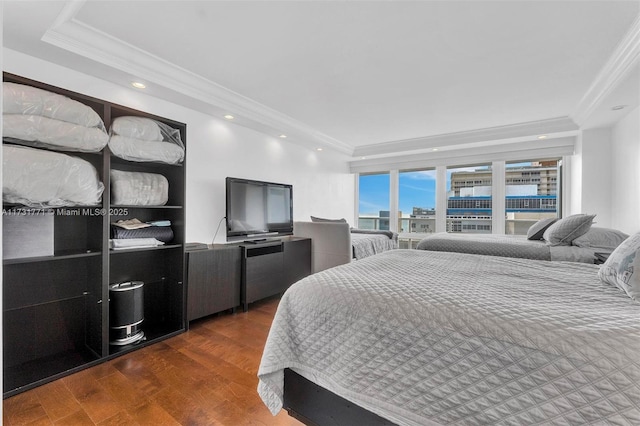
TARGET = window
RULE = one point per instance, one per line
(469, 199)
(531, 193)
(373, 202)
(417, 201)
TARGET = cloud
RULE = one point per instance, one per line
(419, 175)
(367, 207)
(418, 188)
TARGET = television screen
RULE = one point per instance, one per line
(257, 209)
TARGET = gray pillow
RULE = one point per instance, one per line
(600, 238)
(321, 219)
(568, 229)
(536, 231)
(622, 268)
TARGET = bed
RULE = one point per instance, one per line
(414, 337)
(367, 242)
(335, 243)
(571, 239)
(507, 246)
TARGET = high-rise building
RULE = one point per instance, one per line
(543, 174)
(531, 194)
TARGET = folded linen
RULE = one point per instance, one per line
(137, 128)
(131, 243)
(54, 134)
(39, 178)
(23, 99)
(138, 189)
(160, 233)
(131, 224)
(160, 223)
(142, 150)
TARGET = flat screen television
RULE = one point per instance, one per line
(258, 210)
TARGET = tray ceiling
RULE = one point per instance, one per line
(363, 77)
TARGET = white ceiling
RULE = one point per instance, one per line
(363, 77)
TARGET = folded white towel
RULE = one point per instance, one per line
(137, 128)
(138, 189)
(23, 99)
(39, 178)
(141, 150)
(129, 243)
(54, 134)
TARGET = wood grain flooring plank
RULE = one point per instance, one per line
(94, 399)
(121, 418)
(24, 409)
(122, 390)
(79, 418)
(57, 400)
(185, 410)
(151, 413)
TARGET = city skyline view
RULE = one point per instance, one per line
(416, 189)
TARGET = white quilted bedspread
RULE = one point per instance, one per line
(424, 337)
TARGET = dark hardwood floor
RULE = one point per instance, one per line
(206, 376)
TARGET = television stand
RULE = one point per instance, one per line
(216, 276)
(269, 268)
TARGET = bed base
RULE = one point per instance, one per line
(314, 405)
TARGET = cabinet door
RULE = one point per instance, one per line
(262, 273)
(213, 283)
(297, 260)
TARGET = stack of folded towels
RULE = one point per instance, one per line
(144, 139)
(133, 233)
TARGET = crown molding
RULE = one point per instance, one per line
(515, 151)
(520, 130)
(620, 63)
(70, 34)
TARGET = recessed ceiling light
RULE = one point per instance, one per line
(618, 107)
(542, 137)
(283, 136)
(318, 149)
(435, 149)
(229, 117)
(138, 85)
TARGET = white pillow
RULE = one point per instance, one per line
(600, 238)
(567, 229)
(536, 231)
(622, 268)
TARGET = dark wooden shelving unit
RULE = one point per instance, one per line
(56, 307)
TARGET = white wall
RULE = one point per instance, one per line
(625, 166)
(217, 148)
(596, 175)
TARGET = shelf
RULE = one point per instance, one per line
(118, 206)
(22, 210)
(62, 150)
(57, 256)
(151, 336)
(47, 302)
(33, 373)
(164, 247)
(120, 161)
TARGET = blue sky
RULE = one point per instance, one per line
(417, 189)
